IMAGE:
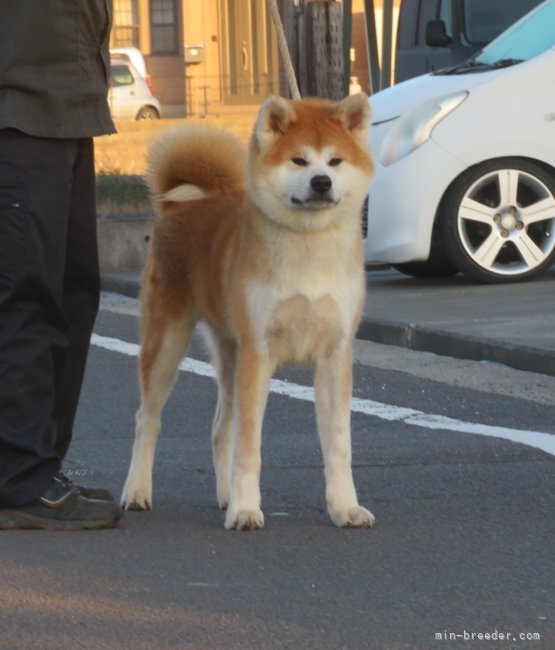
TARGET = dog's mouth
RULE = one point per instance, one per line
(313, 203)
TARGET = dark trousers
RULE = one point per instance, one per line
(49, 293)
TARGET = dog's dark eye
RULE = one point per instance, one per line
(335, 161)
(300, 161)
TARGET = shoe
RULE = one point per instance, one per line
(61, 507)
(101, 494)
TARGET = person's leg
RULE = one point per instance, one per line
(35, 196)
(81, 292)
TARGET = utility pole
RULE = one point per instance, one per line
(347, 20)
(387, 43)
(372, 55)
(315, 39)
(318, 36)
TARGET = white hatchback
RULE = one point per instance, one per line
(465, 162)
(130, 96)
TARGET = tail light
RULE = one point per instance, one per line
(149, 84)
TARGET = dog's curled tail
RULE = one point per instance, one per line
(191, 161)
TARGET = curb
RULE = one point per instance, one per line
(125, 283)
(451, 344)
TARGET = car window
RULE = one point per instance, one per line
(486, 19)
(121, 75)
(525, 40)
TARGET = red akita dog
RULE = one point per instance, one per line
(266, 250)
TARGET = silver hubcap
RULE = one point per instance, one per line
(506, 222)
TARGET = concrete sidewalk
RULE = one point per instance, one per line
(512, 324)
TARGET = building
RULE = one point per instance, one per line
(203, 57)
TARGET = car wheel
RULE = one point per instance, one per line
(147, 113)
(497, 221)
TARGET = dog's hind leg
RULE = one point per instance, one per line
(333, 387)
(224, 354)
(164, 346)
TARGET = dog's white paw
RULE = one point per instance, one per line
(138, 499)
(355, 517)
(244, 519)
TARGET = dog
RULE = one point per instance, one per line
(264, 246)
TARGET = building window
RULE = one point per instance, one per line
(163, 26)
(125, 32)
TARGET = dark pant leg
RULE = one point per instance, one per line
(81, 293)
(37, 337)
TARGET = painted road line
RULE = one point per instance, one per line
(390, 412)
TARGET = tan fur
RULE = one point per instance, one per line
(276, 273)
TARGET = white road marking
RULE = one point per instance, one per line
(390, 412)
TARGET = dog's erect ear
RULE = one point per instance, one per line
(273, 119)
(354, 112)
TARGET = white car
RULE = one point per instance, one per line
(130, 95)
(465, 162)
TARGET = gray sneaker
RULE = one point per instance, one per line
(98, 493)
(61, 507)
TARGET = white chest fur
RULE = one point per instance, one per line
(305, 304)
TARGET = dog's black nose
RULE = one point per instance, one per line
(320, 183)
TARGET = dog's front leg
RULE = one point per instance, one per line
(333, 386)
(252, 381)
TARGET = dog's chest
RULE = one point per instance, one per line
(301, 322)
(300, 330)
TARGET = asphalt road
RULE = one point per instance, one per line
(463, 543)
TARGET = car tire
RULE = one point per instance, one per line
(148, 113)
(497, 221)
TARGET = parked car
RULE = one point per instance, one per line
(465, 162)
(433, 34)
(130, 94)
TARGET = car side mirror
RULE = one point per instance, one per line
(436, 34)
